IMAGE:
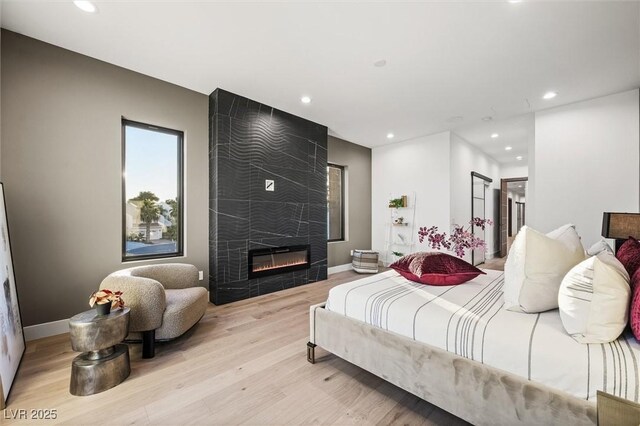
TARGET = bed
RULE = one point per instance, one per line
(456, 347)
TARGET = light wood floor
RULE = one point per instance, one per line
(244, 363)
(496, 263)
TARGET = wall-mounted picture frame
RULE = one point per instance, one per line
(12, 342)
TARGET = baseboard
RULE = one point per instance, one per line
(47, 329)
(339, 268)
(52, 328)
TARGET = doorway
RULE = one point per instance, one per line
(512, 210)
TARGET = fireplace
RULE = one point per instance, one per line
(276, 260)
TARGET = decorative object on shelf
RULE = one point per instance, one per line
(459, 241)
(12, 343)
(398, 202)
(399, 220)
(401, 227)
(105, 300)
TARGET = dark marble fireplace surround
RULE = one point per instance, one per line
(250, 143)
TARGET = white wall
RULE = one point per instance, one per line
(466, 158)
(438, 168)
(514, 171)
(420, 165)
(586, 162)
(531, 183)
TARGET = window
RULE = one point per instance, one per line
(335, 203)
(152, 202)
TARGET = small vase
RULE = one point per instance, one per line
(103, 309)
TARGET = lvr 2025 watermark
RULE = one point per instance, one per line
(30, 414)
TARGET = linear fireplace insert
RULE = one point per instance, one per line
(276, 260)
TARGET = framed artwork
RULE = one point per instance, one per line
(12, 343)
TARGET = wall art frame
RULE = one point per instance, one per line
(12, 340)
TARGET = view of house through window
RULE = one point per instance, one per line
(335, 202)
(152, 189)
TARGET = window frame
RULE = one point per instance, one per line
(179, 196)
(342, 205)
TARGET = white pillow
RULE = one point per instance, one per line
(599, 247)
(536, 265)
(594, 299)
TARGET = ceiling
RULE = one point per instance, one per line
(443, 59)
(511, 132)
(518, 188)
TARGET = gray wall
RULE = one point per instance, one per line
(61, 166)
(357, 161)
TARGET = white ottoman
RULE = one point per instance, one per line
(365, 261)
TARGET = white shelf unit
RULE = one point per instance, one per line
(400, 237)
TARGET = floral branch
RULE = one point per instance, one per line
(460, 239)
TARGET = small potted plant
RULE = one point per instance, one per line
(104, 300)
(395, 203)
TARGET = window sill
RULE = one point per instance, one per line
(152, 259)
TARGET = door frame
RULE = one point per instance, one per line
(509, 216)
(503, 211)
(486, 179)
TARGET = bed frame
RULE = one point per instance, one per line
(473, 391)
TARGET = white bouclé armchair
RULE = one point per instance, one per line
(165, 301)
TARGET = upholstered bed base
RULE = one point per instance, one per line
(473, 391)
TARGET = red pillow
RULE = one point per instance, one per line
(634, 311)
(629, 255)
(435, 269)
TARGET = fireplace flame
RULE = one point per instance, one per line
(283, 264)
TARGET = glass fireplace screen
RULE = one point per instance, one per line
(263, 262)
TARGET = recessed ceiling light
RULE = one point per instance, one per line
(85, 6)
(507, 148)
(550, 95)
(515, 1)
(381, 63)
(305, 100)
(390, 135)
(494, 135)
(519, 157)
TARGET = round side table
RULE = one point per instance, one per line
(104, 361)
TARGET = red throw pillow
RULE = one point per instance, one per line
(634, 311)
(629, 255)
(435, 269)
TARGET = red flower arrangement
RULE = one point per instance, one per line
(460, 239)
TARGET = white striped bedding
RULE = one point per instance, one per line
(469, 320)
